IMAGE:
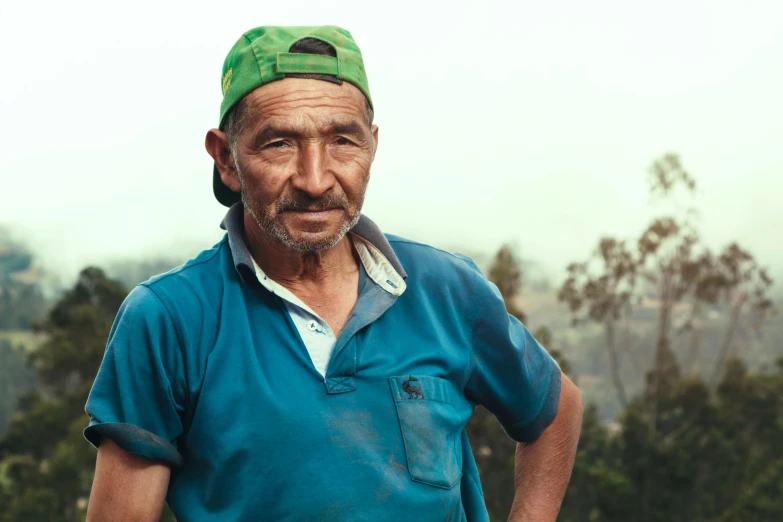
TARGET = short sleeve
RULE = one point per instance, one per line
(133, 400)
(511, 375)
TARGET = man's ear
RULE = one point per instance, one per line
(216, 144)
(374, 140)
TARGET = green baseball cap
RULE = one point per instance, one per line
(261, 56)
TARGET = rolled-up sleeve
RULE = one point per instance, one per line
(511, 374)
(136, 399)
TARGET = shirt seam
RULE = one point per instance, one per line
(472, 320)
(179, 339)
(398, 239)
(459, 257)
(223, 242)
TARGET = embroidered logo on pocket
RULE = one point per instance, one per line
(413, 391)
(430, 425)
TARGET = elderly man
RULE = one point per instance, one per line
(309, 367)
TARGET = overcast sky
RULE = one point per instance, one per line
(530, 122)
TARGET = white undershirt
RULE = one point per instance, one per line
(317, 336)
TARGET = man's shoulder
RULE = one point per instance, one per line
(435, 272)
(438, 279)
(195, 276)
(416, 255)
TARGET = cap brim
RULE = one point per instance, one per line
(223, 194)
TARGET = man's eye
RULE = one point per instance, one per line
(276, 144)
(342, 141)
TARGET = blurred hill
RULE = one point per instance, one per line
(584, 346)
(21, 297)
(22, 304)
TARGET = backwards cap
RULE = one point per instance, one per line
(262, 55)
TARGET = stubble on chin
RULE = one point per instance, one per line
(271, 222)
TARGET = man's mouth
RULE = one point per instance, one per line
(311, 213)
(312, 210)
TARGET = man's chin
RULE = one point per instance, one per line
(303, 233)
(312, 222)
(313, 242)
(309, 240)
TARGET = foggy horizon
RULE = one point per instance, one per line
(533, 125)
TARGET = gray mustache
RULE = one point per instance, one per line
(301, 201)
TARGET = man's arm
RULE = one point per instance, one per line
(543, 468)
(127, 488)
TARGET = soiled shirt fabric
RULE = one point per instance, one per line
(205, 370)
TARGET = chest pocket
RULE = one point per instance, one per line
(430, 428)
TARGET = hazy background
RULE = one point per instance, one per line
(525, 122)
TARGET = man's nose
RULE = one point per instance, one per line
(313, 176)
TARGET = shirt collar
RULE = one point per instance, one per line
(374, 250)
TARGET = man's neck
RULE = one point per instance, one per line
(300, 271)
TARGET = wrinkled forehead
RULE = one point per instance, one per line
(305, 97)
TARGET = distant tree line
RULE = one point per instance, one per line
(697, 439)
(710, 454)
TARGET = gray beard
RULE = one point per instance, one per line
(278, 232)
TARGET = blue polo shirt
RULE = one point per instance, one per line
(205, 370)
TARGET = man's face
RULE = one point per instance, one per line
(303, 160)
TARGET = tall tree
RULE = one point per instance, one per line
(671, 434)
(670, 266)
